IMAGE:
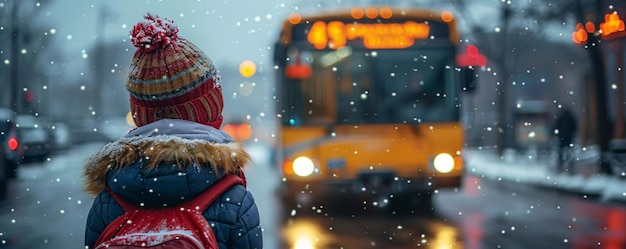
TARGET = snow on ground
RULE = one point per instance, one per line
(522, 169)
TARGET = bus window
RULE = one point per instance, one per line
(415, 89)
(388, 86)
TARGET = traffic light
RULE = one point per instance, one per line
(29, 96)
(471, 57)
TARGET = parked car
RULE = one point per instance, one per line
(12, 148)
(4, 180)
(62, 136)
(114, 127)
(37, 139)
(104, 130)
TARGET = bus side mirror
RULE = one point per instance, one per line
(279, 54)
(468, 79)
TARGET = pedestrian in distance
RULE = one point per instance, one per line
(177, 151)
(565, 129)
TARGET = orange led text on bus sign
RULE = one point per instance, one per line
(335, 34)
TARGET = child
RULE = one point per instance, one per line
(177, 150)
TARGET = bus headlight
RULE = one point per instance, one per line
(303, 166)
(444, 163)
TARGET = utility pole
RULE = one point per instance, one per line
(99, 65)
(14, 55)
(504, 132)
(618, 129)
(103, 17)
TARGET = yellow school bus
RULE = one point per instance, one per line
(368, 102)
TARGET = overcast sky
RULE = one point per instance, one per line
(228, 31)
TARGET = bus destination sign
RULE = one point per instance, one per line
(392, 35)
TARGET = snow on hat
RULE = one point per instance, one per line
(170, 77)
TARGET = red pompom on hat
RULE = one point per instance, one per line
(170, 77)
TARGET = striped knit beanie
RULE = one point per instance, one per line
(170, 77)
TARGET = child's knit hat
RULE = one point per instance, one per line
(170, 77)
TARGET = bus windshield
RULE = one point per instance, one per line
(373, 87)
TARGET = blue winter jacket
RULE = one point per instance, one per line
(164, 163)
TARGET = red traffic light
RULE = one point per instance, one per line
(472, 57)
(29, 96)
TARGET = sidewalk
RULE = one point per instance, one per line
(538, 172)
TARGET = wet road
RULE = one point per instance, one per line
(46, 208)
(508, 215)
(485, 214)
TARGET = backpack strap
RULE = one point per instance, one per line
(114, 227)
(127, 206)
(203, 200)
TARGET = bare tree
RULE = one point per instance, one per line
(514, 32)
(598, 74)
(27, 41)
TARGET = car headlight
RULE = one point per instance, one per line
(303, 166)
(444, 163)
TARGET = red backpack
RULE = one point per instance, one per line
(181, 227)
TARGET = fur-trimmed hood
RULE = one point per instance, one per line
(166, 142)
